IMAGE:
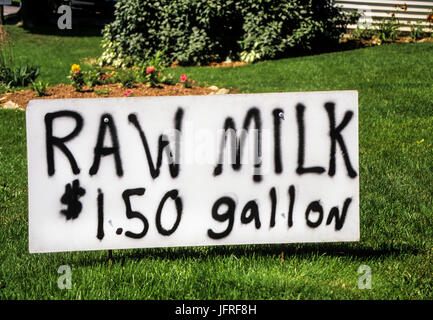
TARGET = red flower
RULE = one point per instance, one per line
(150, 69)
(128, 92)
(430, 18)
(183, 77)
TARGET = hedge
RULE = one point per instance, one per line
(201, 31)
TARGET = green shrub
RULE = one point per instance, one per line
(200, 31)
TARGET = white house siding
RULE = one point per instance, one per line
(376, 10)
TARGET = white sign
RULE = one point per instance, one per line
(193, 170)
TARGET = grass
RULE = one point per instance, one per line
(54, 51)
(396, 178)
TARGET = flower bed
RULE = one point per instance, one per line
(144, 81)
(63, 91)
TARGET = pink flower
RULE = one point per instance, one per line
(103, 77)
(75, 72)
(127, 92)
(183, 77)
(150, 69)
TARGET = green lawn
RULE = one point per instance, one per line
(395, 85)
(54, 53)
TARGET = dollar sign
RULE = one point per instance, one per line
(70, 198)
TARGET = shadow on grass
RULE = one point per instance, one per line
(339, 47)
(91, 25)
(77, 31)
(81, 27)
(278, 251)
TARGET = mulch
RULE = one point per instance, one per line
(223, 64)
(375, 41)
(63, 91)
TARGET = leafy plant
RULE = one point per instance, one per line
(127, 79)
(25, 74)
(152, 70)
(76, 76)
(250, 57)
(151, 75)
(11, 73)
(388, 29)
(6, 75)
(430, 17)
(5, 87)
(157, 61)
(185, 81)
(94, 78)
(18, 76)
(417, 31)
(40, 87)
(167, 78)
(98, 76)
(363, 33)
(430, 22)
(112, 55)
(201, 31)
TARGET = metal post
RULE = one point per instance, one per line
(2, 18)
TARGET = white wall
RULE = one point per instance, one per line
(376, 10)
